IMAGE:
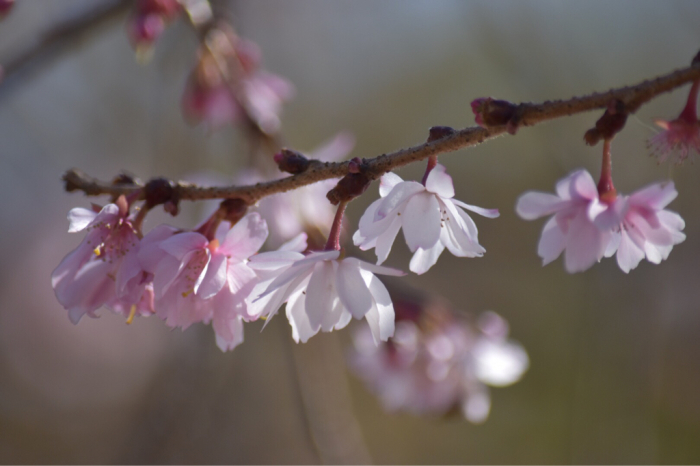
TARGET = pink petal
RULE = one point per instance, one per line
(552, 242)
(585, 244)
(129, 268)
(654, 197)
(274, 260)
(245, 238)
(421, 221)
(183, 243)
(296, 244)
(351, 288)
(238, 276)
(532, 205)
(629, 255)
(440, 183)
(582, 186)
(215, 277)
(229, 331)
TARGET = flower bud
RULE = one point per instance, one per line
(160, 191)
(291, 161)
(491, 112)
(611, 123)
(348, 188)
(439, 132)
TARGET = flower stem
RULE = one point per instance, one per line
(606, 190)
(333, 243)
(432, 162)
(690, 112)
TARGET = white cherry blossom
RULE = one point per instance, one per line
(431, 220)
(324, 291)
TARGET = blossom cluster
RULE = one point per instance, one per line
(439, 366)
(587, 228)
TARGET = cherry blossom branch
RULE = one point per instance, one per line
(60, 37)
(524, 114)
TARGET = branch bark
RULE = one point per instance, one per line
(528, 114)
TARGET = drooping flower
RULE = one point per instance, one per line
(680, 137)
(431, 220)
(324, 291)
(148, 21)
(581, 225)
(198, 280)
(647, 229)
(96, 272)
(247, 92)
(432, 369)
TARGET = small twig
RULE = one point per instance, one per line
(529, 114)
(59, 38)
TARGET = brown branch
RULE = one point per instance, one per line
(57, 40)
(528, 114)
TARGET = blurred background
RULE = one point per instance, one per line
(615, 359)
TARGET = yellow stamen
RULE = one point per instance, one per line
(96, 251)
(263, 317)
(132, 313)
(187, 293)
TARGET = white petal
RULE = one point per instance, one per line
(385, 307)
(421, 221)
(79, 219)
(386, 240)
(320, 293)
(629, 255)
(380, 270)
(299, 319)
(296, 244)
(401, 193)
(387, 183)
(245, 238)
(489, 213)
(423, 259)
(439, 182)
(351, 288)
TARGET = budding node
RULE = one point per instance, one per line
(291, 161)
(611, 123)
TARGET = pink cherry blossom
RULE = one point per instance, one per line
(581, 225)
(647, 229)
(680, 137)
(433, 371)
(197, 280)
(587, 229)
(256, 94)
(431, 220)
(148, 21)
(324, 292)
(87, 277)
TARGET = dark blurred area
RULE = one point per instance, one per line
(614, 358)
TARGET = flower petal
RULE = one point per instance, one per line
(532, 205)
(320, 293)
(423, 259)
(387, 183)
(79, 219)
(421, 221)
(552, 242)
(215, 277)
(655, 197)
(351, 288)
(489, 213)
(299, 319)
(386, 240)
(400, 194)
(245, 238)
(440, 183)
(182, 243)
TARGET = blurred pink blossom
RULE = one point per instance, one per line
(432, 371)
(680, 137)
(148, 21)
(431, 220)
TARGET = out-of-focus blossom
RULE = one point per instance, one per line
(581, 226)
(587, 228)
(431, 220)
(433, 369)
(680, 137)
(6, 7)
(305, 209)
(227, 86)
(197, 280)
(647, 229)
(99, 269)
(148, 21)
(324, 291)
